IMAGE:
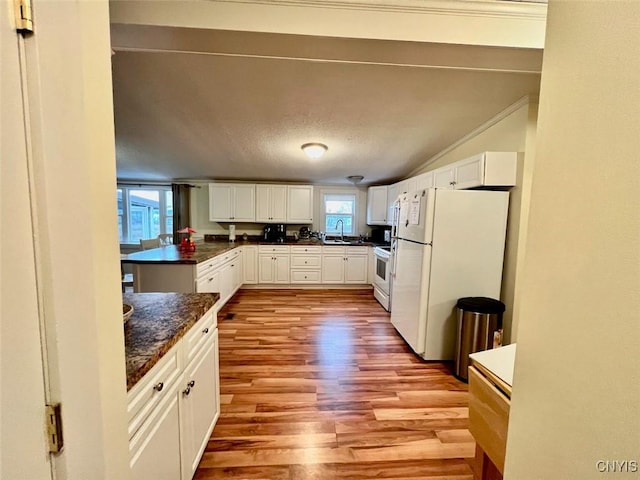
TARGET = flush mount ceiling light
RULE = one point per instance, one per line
(314, 150)
(355, 179)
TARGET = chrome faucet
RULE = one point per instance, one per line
(341, 229)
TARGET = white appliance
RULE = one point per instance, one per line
(382, 276)
(448, 244)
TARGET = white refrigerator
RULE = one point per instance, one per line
(448, 244)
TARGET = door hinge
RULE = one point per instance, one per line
(24, 17)
(54, 427)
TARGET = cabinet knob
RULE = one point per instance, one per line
(158, 386)
(305, 262)
(191, 384)
(205, 331)
(186, 391)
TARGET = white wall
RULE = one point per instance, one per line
(75, 242)
(576, 391)
(512, 131)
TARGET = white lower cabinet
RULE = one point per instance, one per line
(306, 262)
(250, 264)
(333, 268)
(172, 410)
(199, 409)
(345, 264)
(273, 264)
(155, 448)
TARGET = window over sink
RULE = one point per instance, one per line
(336, 207)
(144, 211)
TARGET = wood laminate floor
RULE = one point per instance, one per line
(317, 384)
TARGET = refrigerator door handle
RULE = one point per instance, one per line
(394, 256)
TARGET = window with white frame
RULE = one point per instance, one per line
(144, 211)
(336, 207)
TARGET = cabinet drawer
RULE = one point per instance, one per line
(273, 248)
(306, 249)
(204, 269)
(305, 261)
(228, 256)
(357, 250)
(305, 276)
(488, 417)
(149, 391)
(332, 250)
(198, 335)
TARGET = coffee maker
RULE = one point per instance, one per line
(275, 233)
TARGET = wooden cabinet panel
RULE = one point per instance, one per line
(488, 417)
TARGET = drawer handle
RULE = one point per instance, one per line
(158, 386)
(205, 331)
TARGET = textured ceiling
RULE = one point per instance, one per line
(230, 105)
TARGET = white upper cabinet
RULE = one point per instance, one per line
(488, 169)
(411, 184)
(377, 205)
(444, 178)
(300, 204)
(424, 180)
(271, 203)
(232, 202)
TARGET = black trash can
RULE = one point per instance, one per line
(479, 328)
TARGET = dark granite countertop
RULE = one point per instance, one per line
(159, 320)
(207, 250)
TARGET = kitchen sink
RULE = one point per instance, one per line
(342, 242)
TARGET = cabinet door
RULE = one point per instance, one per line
(226, 281)
(425, 180)
(402, 187)
(333, 268)
(155, 448)
(356, 269)
(200, 407)
(279, 203)
(210, 283)
(236, 267)
(265, 269)
(244, 203)
(263, 203)
(444, 178)
(281, 269)
(300, 204)
(220, 202)
(411, 184)
(469, 173)
(250, 264)
(377, 205)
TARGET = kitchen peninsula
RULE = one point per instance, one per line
(173, 399)
(223, 266)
